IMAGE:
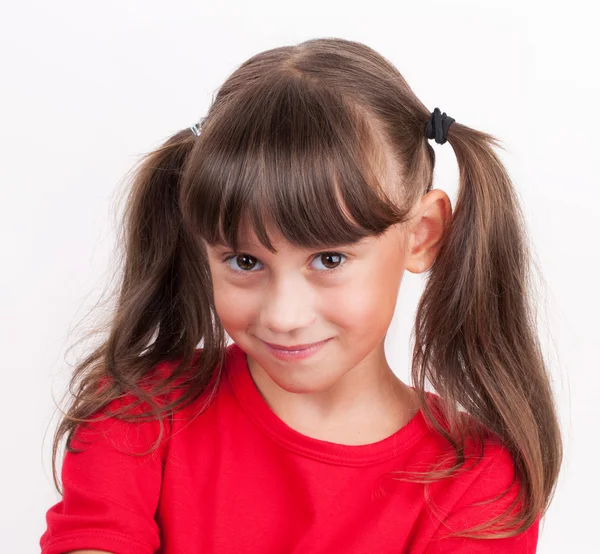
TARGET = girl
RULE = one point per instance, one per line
(285, 222)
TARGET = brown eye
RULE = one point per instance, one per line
(245, 262)
(330, 259)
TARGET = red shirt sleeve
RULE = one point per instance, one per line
(110, 495)
(494, 476)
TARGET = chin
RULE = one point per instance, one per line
(301, 378)
(299, 386)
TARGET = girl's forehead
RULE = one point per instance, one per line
(248, 240)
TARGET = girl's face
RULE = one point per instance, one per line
(294, 297)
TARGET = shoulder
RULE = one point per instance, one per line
(486, 488)
(132, 421)
(482, 499)
(487, 469)
(488, 474)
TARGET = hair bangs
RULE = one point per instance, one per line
(300, 159)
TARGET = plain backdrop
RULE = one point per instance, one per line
(88, 88)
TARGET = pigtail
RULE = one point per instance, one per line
(157, 249)
(475, 330)
(163, 309)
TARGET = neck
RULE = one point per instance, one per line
(368, 404)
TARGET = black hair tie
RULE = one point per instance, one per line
(437, 126)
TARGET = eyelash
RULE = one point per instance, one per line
(232, 255)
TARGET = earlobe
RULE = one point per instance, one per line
(418, 265)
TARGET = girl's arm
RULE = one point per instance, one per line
(110, 495)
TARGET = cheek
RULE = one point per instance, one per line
(234, 305)
(368, 300)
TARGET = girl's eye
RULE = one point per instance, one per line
(333, 258)
(246, 263)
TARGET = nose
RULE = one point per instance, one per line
(288, 305)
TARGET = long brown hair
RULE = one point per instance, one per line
(295, 136)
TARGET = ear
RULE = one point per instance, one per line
(426, 229)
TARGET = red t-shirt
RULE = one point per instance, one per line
(237, 479)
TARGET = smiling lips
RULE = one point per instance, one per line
(298, 352)
(296, 347)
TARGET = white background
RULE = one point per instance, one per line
(88, 88)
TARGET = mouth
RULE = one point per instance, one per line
(295, 347)
(296, 352)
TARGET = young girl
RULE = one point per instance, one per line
(285, 223)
